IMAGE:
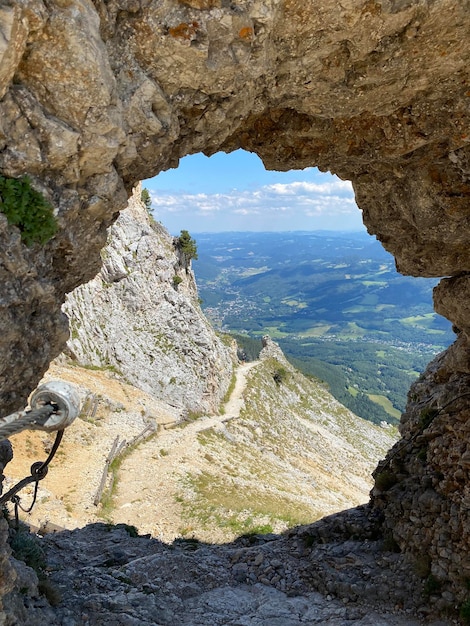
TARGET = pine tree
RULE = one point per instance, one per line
(188, 248)
(146, 199)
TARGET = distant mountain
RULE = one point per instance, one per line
(335, 303)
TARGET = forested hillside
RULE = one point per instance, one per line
(335, 304)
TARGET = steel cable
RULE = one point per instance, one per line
(36, 416)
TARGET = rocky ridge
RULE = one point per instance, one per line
(134, 319)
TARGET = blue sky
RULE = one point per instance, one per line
(233, 192)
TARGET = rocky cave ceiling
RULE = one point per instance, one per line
(98, 95)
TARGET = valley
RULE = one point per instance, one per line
(335, 304)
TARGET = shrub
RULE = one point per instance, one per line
(280, 375)
(385, 480)
(26, 548)
(177, 280)
(187, 247)
(27, 209)
(465, 612)
(432, 585)
(427, 416)
(131, 530)
(146, 199)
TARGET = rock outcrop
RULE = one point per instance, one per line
(95, 96)
(422, 488)
(135, 318)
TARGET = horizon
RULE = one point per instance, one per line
(319, 231)
(235, 193)
(279, 232)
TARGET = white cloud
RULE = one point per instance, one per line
(279, 206)
(300, 187)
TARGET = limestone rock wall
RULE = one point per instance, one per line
(133, 319)
(422, 488)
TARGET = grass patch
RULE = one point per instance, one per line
(27, 209)
(228, 393)
(274, 332)
(385, 404)
(103, 368)
(295, 304)
(240, 510)
(316, 331)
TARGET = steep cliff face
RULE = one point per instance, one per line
(133, 318)
(98, 95)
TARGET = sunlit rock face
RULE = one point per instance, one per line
(95, 96)
(133, 318)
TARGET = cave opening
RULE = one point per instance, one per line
(386, 314)
(376, 90)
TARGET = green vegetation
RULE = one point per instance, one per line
(218, 503)
(371, 383)
(188, 248)
(190, 416)
(177, 280)
(248, 347)
(146, 199)
(385, 404)
(131, 530)
(465, 611)
(229, 392)
(334, 303)
(280, 375)
(27, 209)
(385, 480)
(432, 585)
(103, 368)
(26, 547)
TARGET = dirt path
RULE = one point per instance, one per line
(235, 403)
(147, 499)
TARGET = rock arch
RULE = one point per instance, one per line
(96, 95)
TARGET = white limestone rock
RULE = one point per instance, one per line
(133, 319)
